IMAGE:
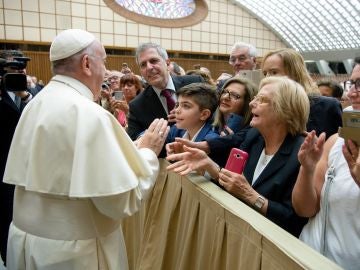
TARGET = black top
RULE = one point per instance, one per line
(277, 180)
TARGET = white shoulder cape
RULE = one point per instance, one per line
(66, 144)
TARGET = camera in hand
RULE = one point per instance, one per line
(105, 86)
(12, 77)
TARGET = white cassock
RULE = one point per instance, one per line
(77, 173)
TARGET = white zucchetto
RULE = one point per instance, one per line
(69, 42)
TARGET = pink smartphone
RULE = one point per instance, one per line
(236, 160)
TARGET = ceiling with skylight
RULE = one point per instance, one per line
(162, 13)
(160, 9)
(312, 26)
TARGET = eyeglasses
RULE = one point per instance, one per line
(350, 84)
(240, 58)
(260, 99)
(115, 78)
(232, 95)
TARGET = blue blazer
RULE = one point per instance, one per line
(206, 132)
(277, 180)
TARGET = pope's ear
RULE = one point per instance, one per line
(85, 64)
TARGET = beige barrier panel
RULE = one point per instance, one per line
(190, 223)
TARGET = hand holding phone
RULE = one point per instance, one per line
(236, 161)
(118, 95)
(234, 122)
(351, 126)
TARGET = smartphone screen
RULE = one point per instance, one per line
(351, 126)
(118, 95)
(236, 161)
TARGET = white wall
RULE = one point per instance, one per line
(40, 21)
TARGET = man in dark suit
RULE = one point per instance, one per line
(153, 62)
(11, 106)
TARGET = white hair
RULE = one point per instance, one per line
(239, 44)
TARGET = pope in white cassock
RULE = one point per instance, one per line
(76, 171)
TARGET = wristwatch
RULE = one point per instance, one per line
(259, 203)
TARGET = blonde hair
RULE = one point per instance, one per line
(250, 91)
(290, 102)
(295, 68)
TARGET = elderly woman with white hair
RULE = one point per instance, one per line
(280, 112)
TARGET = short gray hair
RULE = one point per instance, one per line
(145, 46)
(250, 47)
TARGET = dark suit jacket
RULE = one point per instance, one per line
(325, 115)
(9, 117)
(145, 107)
(277, 180)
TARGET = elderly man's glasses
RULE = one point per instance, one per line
(231, 95)
(260, 99)
(350, 84)
(115, 78)
(240, 58)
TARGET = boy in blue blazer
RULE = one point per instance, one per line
(196, 104)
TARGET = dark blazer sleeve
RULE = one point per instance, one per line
(143, 109)
(220, 147)
(325, 115)
(277, 180)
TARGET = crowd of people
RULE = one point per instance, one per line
(69, 199)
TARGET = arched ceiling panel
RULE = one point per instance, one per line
(312, 27)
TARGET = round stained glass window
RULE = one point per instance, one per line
(162, 13)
